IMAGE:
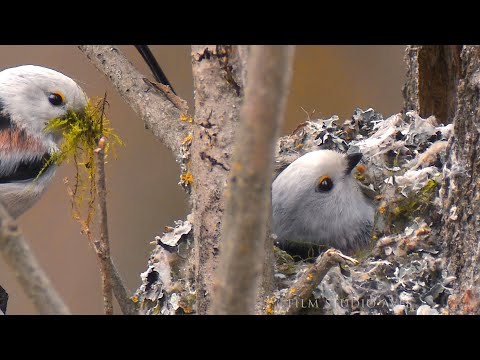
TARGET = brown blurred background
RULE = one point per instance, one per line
(143, 191)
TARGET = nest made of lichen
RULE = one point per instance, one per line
(404, 271)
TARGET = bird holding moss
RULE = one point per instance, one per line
(30, 96)
(317, 203)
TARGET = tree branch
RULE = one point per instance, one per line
(303, 288)
(108, 268)
(31, 276)
(433, 72)
(218, 82)
(247, 212)
(158, 107)
(104, 244)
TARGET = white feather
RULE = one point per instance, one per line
(24, 93)
(340, 217)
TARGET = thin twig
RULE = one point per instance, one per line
(247, 207)
(31, 276)
(104, 248)
(159, 113)
(303, 288)
(106, 263)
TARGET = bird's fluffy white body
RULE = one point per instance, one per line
(341, 217)
(25, 109)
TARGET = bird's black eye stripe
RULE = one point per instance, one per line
(324, 184)
(56, 98)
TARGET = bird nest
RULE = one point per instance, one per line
(402, 271)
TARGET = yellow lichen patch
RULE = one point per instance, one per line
(360, 177)
(135, 298)
(364, 276)
(156, 310)
(293, 291)
(403, 209)
(299, 146)
(187, 140)
(187, 303)
(382, 209)
(417, 201)
(168, 229)
(310, 277)
(422, 231)
(186, 178)
(270, 304)
(397, 211)
(186, 117)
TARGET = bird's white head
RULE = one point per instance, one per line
(316, 200)
(30, 96)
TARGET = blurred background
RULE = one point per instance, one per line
(142, 182)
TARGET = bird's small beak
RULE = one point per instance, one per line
(352, 161)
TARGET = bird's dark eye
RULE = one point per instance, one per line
(56, 98)
(324, 184)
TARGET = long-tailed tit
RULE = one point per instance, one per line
(317, 202)
(30, 96)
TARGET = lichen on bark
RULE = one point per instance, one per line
(218, 83)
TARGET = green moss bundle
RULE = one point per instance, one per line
(81, 133)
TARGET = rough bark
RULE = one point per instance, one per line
(433, 72)
(244, 224)
(461, 188)
(445, 81)
(156, 104)
(218, 82)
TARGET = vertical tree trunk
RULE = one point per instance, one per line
(445, 81)
(218, 73)
(461, 188)
(432, 76)
(247, 208)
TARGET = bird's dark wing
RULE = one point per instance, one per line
(25, 169)
(12, 168)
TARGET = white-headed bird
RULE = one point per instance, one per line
(30, 96)
(317, 203)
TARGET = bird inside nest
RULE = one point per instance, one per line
(30, 96)
(317, 203)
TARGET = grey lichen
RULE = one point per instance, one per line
(167, 287)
